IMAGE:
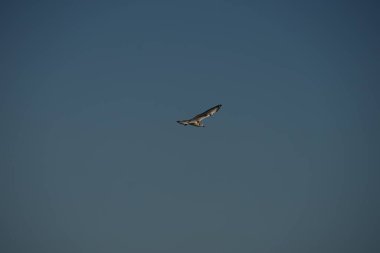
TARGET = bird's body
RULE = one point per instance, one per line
(196, 123)
(197, 120)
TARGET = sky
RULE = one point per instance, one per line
(92, 159)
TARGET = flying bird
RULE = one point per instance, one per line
(197, 120)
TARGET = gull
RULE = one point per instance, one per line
(197, 120)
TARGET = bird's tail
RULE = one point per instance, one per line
(183, 122)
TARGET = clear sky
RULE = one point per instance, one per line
(92, 159)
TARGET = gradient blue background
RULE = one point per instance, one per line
(92, 159)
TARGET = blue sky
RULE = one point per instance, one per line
(92, 159)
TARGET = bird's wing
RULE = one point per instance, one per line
(207, 113)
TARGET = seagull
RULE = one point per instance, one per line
(197, 120)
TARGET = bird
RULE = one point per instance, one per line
(197, 120)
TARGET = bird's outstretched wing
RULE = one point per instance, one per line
(207, 113)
